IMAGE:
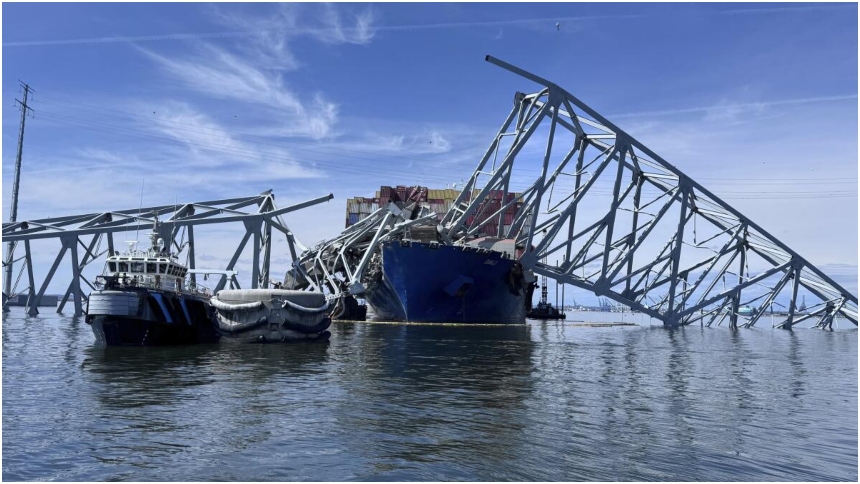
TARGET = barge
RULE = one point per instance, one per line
(270, 315)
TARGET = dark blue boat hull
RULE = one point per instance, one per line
(447, 284)
(156, 318)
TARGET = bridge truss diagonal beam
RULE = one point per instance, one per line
(338, 266)
(258, 213)
(646, 235)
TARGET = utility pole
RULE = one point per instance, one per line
(13, 215)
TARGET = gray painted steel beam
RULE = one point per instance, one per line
(662, 280)
(69, 229)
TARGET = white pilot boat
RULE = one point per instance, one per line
(143, 300)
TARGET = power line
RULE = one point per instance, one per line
(198, 128)
(347, 165)
(298, 145)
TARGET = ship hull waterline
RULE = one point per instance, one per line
(142, 317)
(434, 283)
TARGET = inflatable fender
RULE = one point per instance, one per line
(219, 304)
(290, 304)
(233, 328)
(321, 326)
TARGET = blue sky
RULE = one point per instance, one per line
(758, 102)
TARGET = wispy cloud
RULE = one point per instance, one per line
(221, 74)
(332, 28)
(724, 108)
(785, 9)
(335, 32)
(287, 21)
(254, 71)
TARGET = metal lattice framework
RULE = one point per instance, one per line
(337, 266)
(87, 237)
(623, 223)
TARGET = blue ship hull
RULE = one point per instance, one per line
(423, 282)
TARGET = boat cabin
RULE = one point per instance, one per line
(158, 272)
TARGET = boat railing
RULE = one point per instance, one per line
(125, 281)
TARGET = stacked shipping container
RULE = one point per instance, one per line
(439, 201)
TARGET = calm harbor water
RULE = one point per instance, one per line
(545, 401)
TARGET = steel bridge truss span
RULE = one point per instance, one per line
(337, 266)
(88, 237)
(622, 222)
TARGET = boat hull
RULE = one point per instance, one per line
(426, 282)
(142, 317)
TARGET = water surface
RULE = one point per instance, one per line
(544, 401)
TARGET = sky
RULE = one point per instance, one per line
(163, 103)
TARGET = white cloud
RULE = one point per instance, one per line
(334, 31)
(439, 142)
(252, 71)
(220, 74)
(726, 107)
(727, 112)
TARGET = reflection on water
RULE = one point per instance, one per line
(543, 401)
(434, 395)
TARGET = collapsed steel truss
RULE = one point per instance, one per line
(337, 266)
(72, 231)
(623, 223)
(616, 219)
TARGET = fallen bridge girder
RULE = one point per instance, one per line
(71, 231)
(617, 246)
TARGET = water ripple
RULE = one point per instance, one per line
(541, 402)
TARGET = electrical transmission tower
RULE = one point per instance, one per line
(13, 214)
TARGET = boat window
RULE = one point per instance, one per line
(182, 273)
(150, 267)
(137, 267)
(123, 267)
(112, 266)
(172, 270)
